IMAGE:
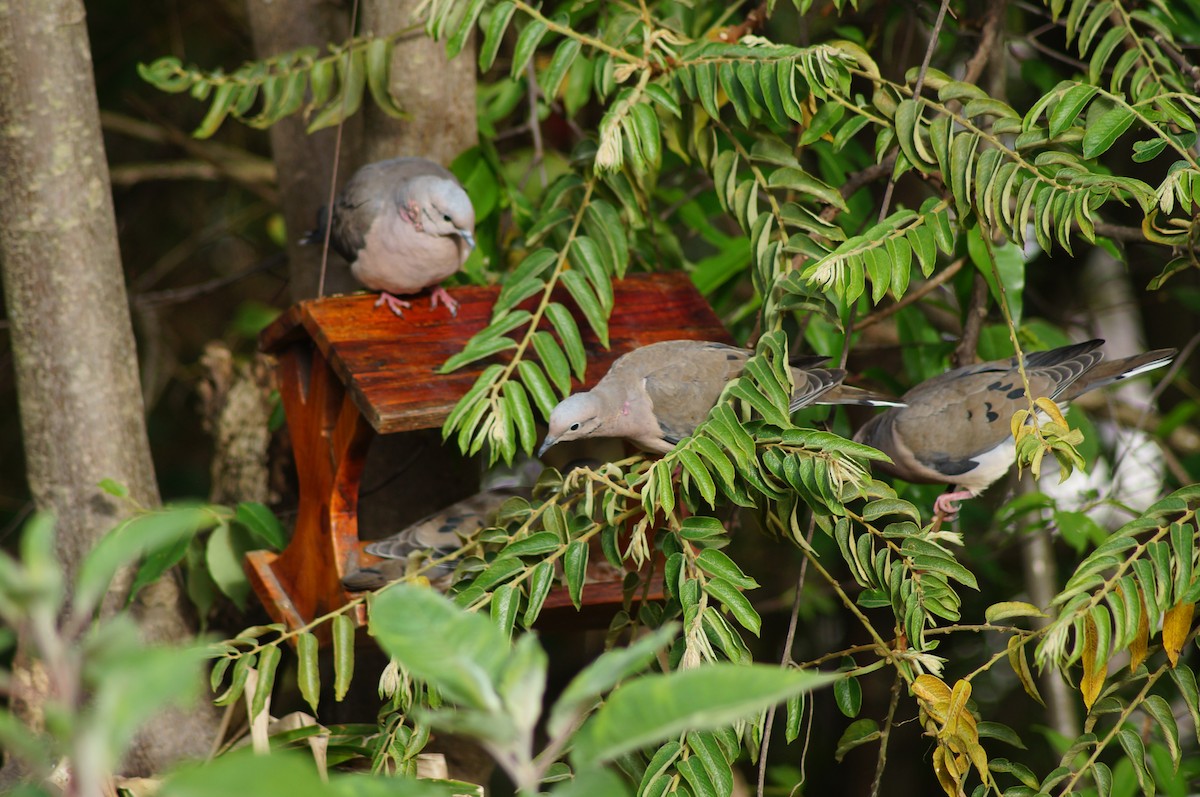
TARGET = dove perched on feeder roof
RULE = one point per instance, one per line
(403, 225)
(956, 428)
(657, 395)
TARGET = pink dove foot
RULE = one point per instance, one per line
(440, 295)
(394, 304)
(946, 504)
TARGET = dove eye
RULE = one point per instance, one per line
(574, 427)
(447, 218)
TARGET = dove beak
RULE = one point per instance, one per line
(468, 237)
(549, 441)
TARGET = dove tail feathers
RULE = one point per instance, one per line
(1109, 371)
(316, 236)
(847, 394)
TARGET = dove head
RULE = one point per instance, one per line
(445, 209)
(575, 417)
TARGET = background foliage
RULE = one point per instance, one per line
(862, 181)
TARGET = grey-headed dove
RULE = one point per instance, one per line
(404, 225)
(658, 394)
(956, 427)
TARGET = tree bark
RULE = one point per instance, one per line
(304, 162)
(437, 92)
(74, 356)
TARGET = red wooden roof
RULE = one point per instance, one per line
(389, 364)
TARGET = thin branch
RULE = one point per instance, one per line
(753, 21)
(1175, 55)
(787, 659)
(128, 174)
(190, 292)
(859, 179)
(219, 157)
(535, 129)
(965, 351)
(987, 42)
(885, 734)
(926, 288)
(933, 40)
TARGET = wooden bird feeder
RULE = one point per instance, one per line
(349, 372)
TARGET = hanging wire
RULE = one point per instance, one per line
(337, 155)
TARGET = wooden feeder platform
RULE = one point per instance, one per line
(349, 371)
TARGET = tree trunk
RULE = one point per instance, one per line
(304, 162)
(73, 347)
(438, 93)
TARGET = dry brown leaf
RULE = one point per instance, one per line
(1093, 673)
(1176, 625)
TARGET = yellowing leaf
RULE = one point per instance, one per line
(1141, 640)
(934, 696)
(1018, 421)
(1176, 624)
(1008, 609)
(1050, 408)
(1093, 673)
(1020, 665)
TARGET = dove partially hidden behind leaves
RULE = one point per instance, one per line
(658, 394)
(444, 533)
(956, 428)
(403, 225)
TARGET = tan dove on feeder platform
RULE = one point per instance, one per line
(403, 225)
(442, 533)
(445, 532)
(657, 395)
(956, 428)
(433, 537)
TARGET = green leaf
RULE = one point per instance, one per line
(539, 388)
(268, 662)
(308, 673)
(497, 24)
(378, 65)
(655, 708)
(587, 257)
(262, 524)
(539, 587)
(528, 40)
(458, 652)
(564, 56)
(605, 672)
(568, 333)
(521, 413)
(575, 567)
(224, 555)
(1135, 751)
(554, 360)
(1102, 133)
(591, 307)
(343, 655)
(477, 349)
(858, 733)
(847, 693)
(137, 537)
(1067, 110)
(737, 603)
(716, 563)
